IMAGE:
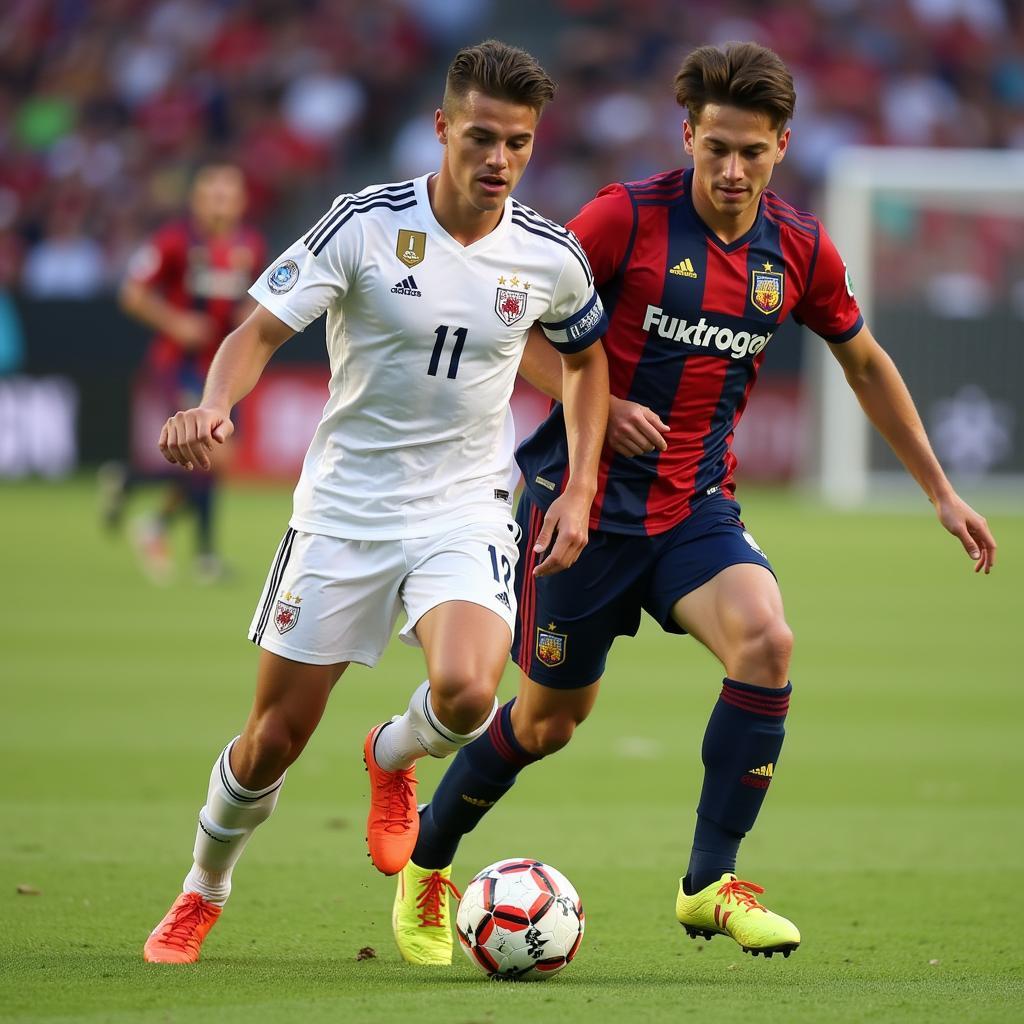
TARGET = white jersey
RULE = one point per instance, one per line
(425, 337)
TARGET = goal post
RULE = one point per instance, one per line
(934, 243)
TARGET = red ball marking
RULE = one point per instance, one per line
(540, 906)
(551, 963)
(483, 932)
(543, 880)
(484, 958)
(511, 917)
(518, 866)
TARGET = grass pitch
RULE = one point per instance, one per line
(892, 834)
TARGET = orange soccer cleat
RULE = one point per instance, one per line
(179, 936)
(393, 823)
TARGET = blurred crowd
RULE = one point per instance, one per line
(107, 106)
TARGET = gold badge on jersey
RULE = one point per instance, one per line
(411, 247)
(766, 289)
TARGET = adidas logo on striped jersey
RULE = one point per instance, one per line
(407, 286)
(684, 268)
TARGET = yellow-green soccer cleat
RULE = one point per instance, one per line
(729, 907)
(420, 918)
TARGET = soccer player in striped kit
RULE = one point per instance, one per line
(188, 282)
(696, 268)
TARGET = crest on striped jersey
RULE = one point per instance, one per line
(766, 289)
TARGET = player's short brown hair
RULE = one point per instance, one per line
(498, 70)
(745, 75)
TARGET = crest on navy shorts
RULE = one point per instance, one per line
(766, 289)
(550, 646)
(283, 277)
(510, 305)
(411, 247)
(286, 614)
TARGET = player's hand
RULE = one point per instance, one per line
(193, 330)
(188, 437)
(564, 530)
(962, 521)
(633, 429)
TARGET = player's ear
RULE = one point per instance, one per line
(441, 126)
(688, 138)
(782, 146)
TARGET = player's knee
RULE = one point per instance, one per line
(461, 703)
(273, 744)
(770, 645)
(546, 736)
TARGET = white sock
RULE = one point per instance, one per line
(418, 733)
(226, 822)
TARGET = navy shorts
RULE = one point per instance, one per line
(178, 387)
(567, 623)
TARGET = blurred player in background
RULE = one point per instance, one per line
(697, 269)
(189, 283)
(430, 288)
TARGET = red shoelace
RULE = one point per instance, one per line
(398, 790)
(434, 886)
(743, 893)
(180, 930)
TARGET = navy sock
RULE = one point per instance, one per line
(740, 752)
(480, 774)
(200, 497)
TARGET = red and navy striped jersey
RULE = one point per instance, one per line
(690, 321)
(209, 275)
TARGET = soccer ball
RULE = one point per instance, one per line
(520, 920)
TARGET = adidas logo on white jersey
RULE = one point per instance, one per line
(407, 286)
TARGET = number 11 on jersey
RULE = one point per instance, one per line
(441, 333)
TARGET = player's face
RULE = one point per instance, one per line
(488, 143)
(218, 198)
(734, 153)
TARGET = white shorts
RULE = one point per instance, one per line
(328, 600)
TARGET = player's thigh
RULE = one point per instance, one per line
(466, 647)
(732, 609)
(459, 595)
(294, 692)
(690, 570)
(567, 622)
(329, 600)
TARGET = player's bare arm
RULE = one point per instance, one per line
(633, 429)
(190, 329)
(584, 389)
(187, 438)
(886, 401)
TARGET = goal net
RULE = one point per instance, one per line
(934, 242)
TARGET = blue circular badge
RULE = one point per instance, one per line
(283, 277)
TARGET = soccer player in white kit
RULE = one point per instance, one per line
(430, 288)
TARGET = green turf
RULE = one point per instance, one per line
(892, 834)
